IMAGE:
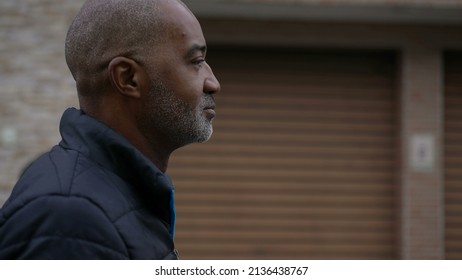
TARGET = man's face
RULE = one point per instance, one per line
(180, 105)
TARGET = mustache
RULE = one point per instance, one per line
(207, 101)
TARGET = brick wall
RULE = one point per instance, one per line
(35, 85)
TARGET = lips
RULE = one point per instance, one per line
(210, 111)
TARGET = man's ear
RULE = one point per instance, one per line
(127, 76)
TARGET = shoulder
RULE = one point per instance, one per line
(50, 173)
(68, 173)
(46, 221)
(47, 206)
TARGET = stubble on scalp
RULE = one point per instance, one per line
(105, 29)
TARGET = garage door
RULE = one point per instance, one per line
(453, 155)
(302, 161)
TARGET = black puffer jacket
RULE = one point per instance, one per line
(94, 196)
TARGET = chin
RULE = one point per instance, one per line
(205, 135)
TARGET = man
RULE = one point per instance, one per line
(144, 90)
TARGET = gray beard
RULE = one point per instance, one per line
(177, 120)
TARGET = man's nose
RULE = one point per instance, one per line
(211, 84)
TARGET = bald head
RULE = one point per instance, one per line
(105, 29)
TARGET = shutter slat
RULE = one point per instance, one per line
(248, 186)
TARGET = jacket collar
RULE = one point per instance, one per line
(114, 153)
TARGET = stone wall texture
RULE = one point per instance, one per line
(35, 84)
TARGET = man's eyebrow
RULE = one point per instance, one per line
(197, 48)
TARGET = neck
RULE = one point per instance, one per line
(153, 150)
(159, 159)
(157, 153)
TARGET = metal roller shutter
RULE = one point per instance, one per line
(302, 161)
(453, 155)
